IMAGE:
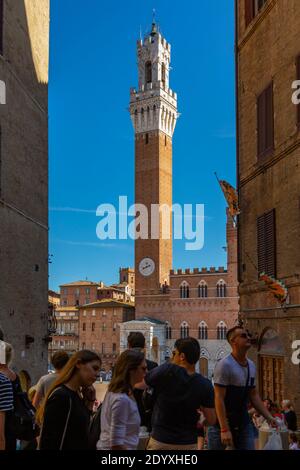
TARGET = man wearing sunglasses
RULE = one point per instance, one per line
(234, 383)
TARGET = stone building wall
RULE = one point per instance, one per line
(24, 183)
(267, 51)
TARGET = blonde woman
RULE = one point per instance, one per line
(65, 413)
(120, 419)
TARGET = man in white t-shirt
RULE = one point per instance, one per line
(235, 388)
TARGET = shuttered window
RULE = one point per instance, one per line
(266, 243)
(265, 122)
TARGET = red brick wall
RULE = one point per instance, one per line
(71, 296)
(95, 340)
(153, 185)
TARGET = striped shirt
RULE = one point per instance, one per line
(6, 394)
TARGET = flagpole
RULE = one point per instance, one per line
(215, 173)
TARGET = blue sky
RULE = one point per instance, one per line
(91, 139)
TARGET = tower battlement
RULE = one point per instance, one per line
(142, 94)
(153, 106)
(193, 271)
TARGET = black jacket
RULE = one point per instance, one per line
(65, 412)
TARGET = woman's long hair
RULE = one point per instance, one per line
(129, 360)
(66, 374)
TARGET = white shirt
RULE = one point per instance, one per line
(120, 422)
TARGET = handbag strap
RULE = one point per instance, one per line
(66, 424)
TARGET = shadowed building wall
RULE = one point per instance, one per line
(24, 182)
(268, 62)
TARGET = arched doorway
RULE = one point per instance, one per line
(203, 366)
(203, 362)
(271, 357)
(155, 349)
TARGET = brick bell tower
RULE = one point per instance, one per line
(153, 110)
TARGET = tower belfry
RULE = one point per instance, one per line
(153, 110)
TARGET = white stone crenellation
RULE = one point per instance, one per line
(154, 105)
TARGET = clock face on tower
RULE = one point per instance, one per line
(146, 266)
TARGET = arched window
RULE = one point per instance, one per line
(163, 74)
(184, 290)
(202, 331)
(202, 289)
(221, 289)
(184, 330)
(148, 72)
(221, 330)
(142, 117)
(168, 331)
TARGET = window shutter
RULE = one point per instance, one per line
(265, 121)
(270, 241)
(269, 118)
(261, 244)
(249, 11)
(261, 123)
(266, 243)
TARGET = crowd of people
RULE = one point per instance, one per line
(176, 407)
